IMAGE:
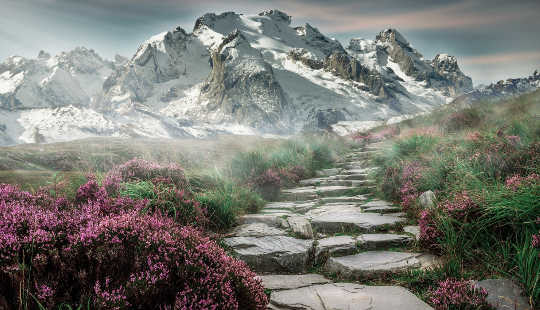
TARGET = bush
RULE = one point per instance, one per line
(466, 118)
(454, 294)
(113, 255)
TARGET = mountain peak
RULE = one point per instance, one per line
(392, 35)
(277, 15)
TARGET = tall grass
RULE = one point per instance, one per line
(489, 152)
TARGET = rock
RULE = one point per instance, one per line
(414, 230)
(274, 219)
(272, 253)
(301, 227)
(427, 200)
(372, 263)
(351, 220)
(504, 294)
(257, 230)
(292, 206)
(335, 246)
(287, 282)
(382, 209)
(346, 296)
(377, 241)
(328, 172)
(312, 192)
(344, 199)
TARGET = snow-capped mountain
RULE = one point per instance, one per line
(233, 74)
(501, 90)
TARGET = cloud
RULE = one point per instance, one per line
(501, 58)
(450, 16)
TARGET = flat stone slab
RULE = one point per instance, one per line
(359, 170)
(414, 230)
(376, 203)
(301, 227)
(288, 282)
(312, 192)
(355, 199)
(257, 230)
(377, 241)
(329, 181)
(292, 206)
(346, 296)
(356, 177)
(335, 246)
(328, 172)
(372, 263)
(272, 253)
(382, 209)
(274, 219)
(352, 220)
(504, 294)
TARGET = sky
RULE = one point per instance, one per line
(492, 39)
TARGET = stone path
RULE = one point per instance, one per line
(325, 225)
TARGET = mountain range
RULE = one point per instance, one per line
(233, 73)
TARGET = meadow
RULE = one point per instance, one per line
(482, 163)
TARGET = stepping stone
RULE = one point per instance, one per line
(356, 199)
(328, 172)
(275, 219)
(301, 227)
(257, 230)
(335, 246)
(414, 230)
(353, 220)
(346, 296)
(358, 177)
(372, 263)
(504, 294)
(376, 203)
(333, 207)
(382, 209)
(377, 241)
(288, 282)
(292, 206)
(311, 192)
(328, 182)
(359, 170)
(272, 253)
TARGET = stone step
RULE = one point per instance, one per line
(328, 172)
(313, 192)
(272, 253)
(380, 206)
(292, 206)
(346, 296)
(331, 181)
(346, 221)
(343, 199)
(291, 281)
(374, 263)
(349, 245)
(358, 176)
(359, 170)
(257, 230)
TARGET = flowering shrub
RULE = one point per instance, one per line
(268, 183)
(376, 136)
(516, 181)
(454, 294)
(429, 232)
(142, 170)
(113, 255)
(410, 177)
